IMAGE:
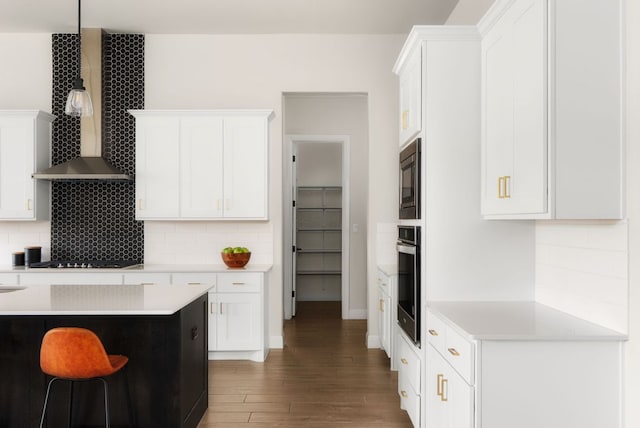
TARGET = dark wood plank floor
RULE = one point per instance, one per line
(324, 377)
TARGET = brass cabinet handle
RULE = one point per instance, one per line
(381, 305)
(194, 283)
(444, 397)
(404, 361)
(439, 386)
(139, 204)
(405, 119)
(507, 189)
(220, 308)
(500, 180)
(212, 306)
(238, 283)
(453, 352)
(433, 332)
(29, 205)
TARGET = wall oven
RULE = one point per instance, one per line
(409, 281)
(410, 181)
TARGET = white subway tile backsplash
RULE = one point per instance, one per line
(202, 242)
(582, 269)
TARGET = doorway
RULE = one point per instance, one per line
(319, 219)
(331, 130)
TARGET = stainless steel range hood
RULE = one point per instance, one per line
(90, 165)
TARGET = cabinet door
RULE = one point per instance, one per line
(157, 168)
(514, 61)
(239, 322)
(201, 167)
(449, 398)
(17, 160)
(245, 167)
(384, 320)
(411, 97)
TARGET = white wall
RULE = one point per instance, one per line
(253, 71)
(25, 83)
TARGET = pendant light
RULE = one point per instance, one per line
(79, 101)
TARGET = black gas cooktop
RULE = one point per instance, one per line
(85, 264)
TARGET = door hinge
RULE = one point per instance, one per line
(293, 293)
(294, 158)
(293, 248)
(294, 203)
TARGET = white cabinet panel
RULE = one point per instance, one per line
(245, 179)
(147, 278)
(552, 110)
(24, 149)
(239, 322)
(8, 278)
(410, 80)
(201, 160)
(157, 168)
(70, 278)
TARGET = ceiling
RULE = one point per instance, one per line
(223, 16)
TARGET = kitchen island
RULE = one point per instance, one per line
(161, 328)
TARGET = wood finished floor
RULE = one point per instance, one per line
(324, 377)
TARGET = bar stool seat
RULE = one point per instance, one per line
(77, 354)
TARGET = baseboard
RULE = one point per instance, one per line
(358, 314)
(276, 342)
(373, 341)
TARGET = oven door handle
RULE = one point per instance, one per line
(407, 249)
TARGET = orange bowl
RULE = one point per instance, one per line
(235, 260)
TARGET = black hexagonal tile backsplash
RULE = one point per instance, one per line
(95, 220)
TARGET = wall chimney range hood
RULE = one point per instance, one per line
(90, 165)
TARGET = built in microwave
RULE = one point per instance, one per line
(410, 181)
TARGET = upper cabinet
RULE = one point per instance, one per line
(552, 145)
(410, 78)
(25, 138)
(202, 165)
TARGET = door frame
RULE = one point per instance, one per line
(290, 141)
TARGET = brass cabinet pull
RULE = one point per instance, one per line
(194, 283)
(404, 393)
(453, 352)
(433, 332)
(441, 389)
(404, 361)
(443, 396)
(405, 119)
(139, 204)
(220, 308)
(28, 204)
(507, 190)
(211, 308)
(238, 283)
(381, 305)
(504, 191)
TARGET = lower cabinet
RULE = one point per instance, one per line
(409, 378)
(520, 365)
(449, 398)
(237, 317)
(384, 313)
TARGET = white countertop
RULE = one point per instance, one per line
(519, 321)
(212, 268)
(107, 299)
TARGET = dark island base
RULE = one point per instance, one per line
(167, 370)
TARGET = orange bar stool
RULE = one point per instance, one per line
(77, 354)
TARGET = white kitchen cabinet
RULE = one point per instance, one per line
(552, 87)
(387, 312)
(147, 278)
(501, 365)
(46, 276)
(237, 314)
(410, 80)
(201, 165)
(8, 279)
(25, 137)
(449, 398)
(409, 363)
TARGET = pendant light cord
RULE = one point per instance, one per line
(79, 41)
